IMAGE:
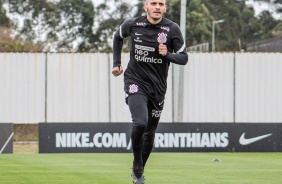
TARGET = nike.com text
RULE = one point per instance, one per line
(162, 140)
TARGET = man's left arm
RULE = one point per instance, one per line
(180, 55)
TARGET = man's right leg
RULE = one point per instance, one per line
(139, 111)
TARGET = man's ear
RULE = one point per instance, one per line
(145, 8)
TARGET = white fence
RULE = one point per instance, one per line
(212, 87)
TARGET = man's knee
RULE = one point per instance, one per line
(149, 136)
(139, 127)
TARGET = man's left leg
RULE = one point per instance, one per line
(149, 135)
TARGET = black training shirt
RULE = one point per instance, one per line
(147, 69)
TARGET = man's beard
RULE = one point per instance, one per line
(156, 18)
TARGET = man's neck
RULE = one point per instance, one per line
(153, 21)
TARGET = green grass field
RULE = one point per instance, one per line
(169, 168)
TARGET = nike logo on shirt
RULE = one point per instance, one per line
(244, 141)
(138, 34)
(161, 102)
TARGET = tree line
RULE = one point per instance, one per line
(79, 26)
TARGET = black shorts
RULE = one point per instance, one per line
(156, 104)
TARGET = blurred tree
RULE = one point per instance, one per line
(249, 30)
(228, 34)
(71, 25)
(4, 20)
(79, 21)
(198, 24)
(267, 25)
(65, 25)
(240, 26)
(140, 10)
(110, 21)
(9, 44)
(277, 31)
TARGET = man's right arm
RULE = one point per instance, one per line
(121, 33)
(117, 48)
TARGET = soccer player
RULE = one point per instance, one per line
(155, 43)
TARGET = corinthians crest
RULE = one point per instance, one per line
(162, 38)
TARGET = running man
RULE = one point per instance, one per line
(155, 43)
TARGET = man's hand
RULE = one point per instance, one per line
(116, 71)
(162, 49)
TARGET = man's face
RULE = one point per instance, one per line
(155, 9)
